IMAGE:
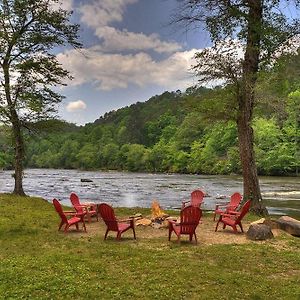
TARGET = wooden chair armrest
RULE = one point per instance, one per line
(74, 214)
(228, 215)
(82, 206)
(130, 221)
(83, 213)
(87, 208)
(220, 205)
(69, 212)
(89, 204)
(125, 220)
(233, 212)
(173, 222)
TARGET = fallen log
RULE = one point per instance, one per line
(288, 224)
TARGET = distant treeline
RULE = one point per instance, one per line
(190, 132)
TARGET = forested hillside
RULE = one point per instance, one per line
(190, 132)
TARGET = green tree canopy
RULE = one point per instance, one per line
(30, 29)
(247, 36)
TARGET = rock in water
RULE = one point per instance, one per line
(290, 225)
(86, 180)
(259, 232)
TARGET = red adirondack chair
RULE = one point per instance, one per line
(196, 199)
(108, 215)
(68, 218)
(89, 209)
(229, 207)
(189, 219)
(234, 219)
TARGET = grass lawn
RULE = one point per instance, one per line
(38, 262)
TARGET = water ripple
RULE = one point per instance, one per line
(140, 189)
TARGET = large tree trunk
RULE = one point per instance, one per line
(19, 156)
(250, 178)
(246, 104)
(17, 133)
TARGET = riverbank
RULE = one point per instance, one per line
(38, 262)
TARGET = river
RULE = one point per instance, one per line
(282, 194)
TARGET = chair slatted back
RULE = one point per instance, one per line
(245, 208)
(197, 198)
(76, 203)
(59, 210)
(108, 215)
(189, 219)
(235, 201)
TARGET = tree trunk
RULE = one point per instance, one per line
(246, 103)
(17, 134)
(19, 156)
(250, 178)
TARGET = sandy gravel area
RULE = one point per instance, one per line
(205, 233)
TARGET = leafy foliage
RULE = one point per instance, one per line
(30, 30)
(179, 134)
(29, 70)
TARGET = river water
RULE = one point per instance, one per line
(282, 194)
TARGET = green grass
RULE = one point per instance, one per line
(38, 262)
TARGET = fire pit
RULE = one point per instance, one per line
(158, 219)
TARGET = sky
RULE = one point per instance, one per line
(130, 53)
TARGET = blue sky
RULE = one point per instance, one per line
(129, 54)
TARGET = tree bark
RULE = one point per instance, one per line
(246, 103)
(19, 155)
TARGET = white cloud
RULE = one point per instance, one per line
(76, 106)
(64, 4)
(120, 40)
(106, 68)
(103, 12)
(98, 15)
(289, 47)
(109, 71)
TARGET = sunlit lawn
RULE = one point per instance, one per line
(38, 262)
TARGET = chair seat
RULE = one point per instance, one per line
(228, 221)
(80, 214)
(219, 211)
(74, 220)
(123, 226)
